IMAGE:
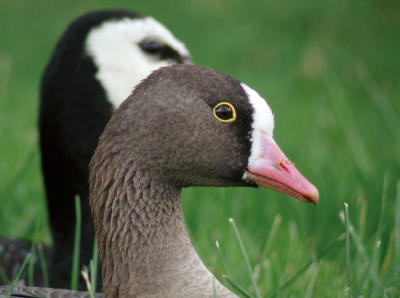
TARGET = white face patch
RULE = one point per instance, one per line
(263, 121)
(121, 63)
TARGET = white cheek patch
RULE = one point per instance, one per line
(120, 61)
(263, 121)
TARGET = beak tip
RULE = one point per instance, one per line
(314, 196)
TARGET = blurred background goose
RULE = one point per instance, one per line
(96, 63)
(183, 126)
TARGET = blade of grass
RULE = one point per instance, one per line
(311, 285)
(284, 285)
(226, 277)
(245, 257)
(271, 237)
(3, 275)
(221, 257)
(238, 289)
(268, 245)
(214, 288)
(295, 275)
(19, 273)
(346, 219)
(43, 265)
(363, 278)
(378, 263)
(85, 275)
(382, 217)
(94, 266)
(397, 225)
(77, 244)
(391, 275)
(360, 248)
(387, 279)
(31, 266)
(362, 206)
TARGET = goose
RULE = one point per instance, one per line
(183, 126)
(100, 57)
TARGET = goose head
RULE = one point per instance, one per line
(117, 48)
(126, 47)
(192, 126)
(183, 126)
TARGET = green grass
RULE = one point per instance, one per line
(77, 244)
(330, 72)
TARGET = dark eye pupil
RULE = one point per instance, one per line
(224, 112)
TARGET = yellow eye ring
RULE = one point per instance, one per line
(224, 112)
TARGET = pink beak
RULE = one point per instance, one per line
(272, 169)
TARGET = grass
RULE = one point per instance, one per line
(328, 69)
(19, 273)
(245, 258)
(77, 244)
(348, 274)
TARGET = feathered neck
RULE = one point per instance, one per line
(143, 243)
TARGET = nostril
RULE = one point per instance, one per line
(282, 164)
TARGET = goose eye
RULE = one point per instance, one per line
(161, 50)
(151, 46)
(224, 112)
